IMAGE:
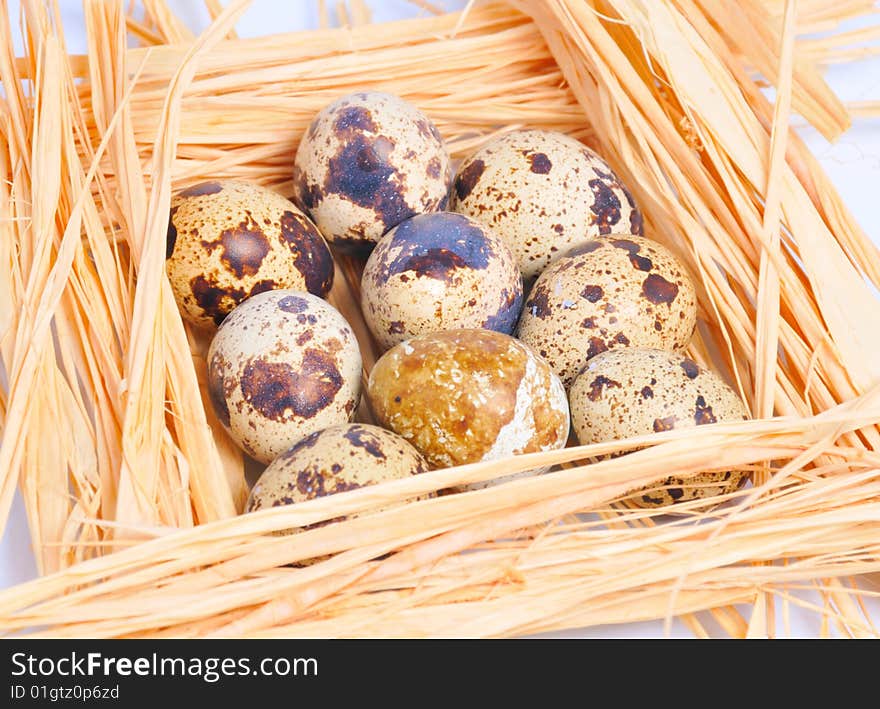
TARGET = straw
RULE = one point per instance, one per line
(130, 483)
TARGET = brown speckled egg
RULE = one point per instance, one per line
(229, 240)
(461, 396)
(439, 271)
(339, 458)
(632, 392)
(615, 291)
(544, 193)
(367, 162)
(283, 365)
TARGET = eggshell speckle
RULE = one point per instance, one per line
(632, 392)
(460, 396)
(543, 193)
(614, 291)
(368, 161)
(339, 458)
(229, 240)
(283, 365)
(439, 272)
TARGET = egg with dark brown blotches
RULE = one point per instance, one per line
(631, 392)
(543, 192)
(439, 271)
(229, 240)
(283, 365)
(368, 161)
(336, 459)
(614, 291)
(461, 396)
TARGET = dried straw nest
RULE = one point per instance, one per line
(106, 433)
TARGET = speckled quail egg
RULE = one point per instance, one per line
(283, 365)
(461, 396)
(368, 161)
(439, 271)
(614, 291)
(229, 240)
(339, 458)
(543, 192)
(632, 392)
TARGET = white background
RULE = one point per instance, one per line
(853, 163)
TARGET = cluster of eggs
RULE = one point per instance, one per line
(474, 370)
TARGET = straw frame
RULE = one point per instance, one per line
(91, 332)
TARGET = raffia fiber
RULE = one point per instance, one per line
(105, 428)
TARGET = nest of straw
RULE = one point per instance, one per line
(131, 487)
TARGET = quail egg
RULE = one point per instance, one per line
(283, 365)
(229, 240)
(368, 161)
(543, 192)
(632, 392)
(439, 271)
(461, 396)
(614, 291)
(336, 459)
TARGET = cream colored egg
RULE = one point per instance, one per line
(229, 240)
(614, 291)
(368, 161)
(633, 392)
(336, 459)
(543, 192)
(283, 365)
(439, 271)
(461, 396)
